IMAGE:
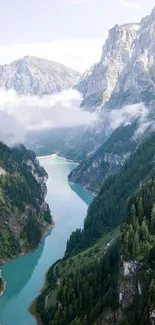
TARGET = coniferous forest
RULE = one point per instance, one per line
(22, 192)
(83, 290)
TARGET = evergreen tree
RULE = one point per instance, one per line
(140, 210)
(144, 230)
(153, 220)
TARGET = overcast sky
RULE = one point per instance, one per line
(68, 31)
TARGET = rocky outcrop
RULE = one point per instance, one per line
(128, 287)
(152, 317)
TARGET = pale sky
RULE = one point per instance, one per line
(71, 32)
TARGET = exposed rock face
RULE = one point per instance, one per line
(125, 75)
(126, 68)
(109, 158)
(101, 79)
(2, 171)
(139, 73)
(36, 76)
(129, 283)
(152, 317)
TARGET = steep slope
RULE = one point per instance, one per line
(108, 159)
(137, 81)
(24, 214)
(36, 76)
(124, 76)
(98, 83)
(125, 73)
(108, 208)
(112, 281)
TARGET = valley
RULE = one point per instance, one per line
(77, 198)
(25, 275)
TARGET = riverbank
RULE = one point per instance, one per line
(35, 315)
(49, 156)
(7, 260)
(3, 284)
(55, 155)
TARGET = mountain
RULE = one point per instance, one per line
(125, 73)
(108, 159)
(24, 214)
(107, 275)
(124, 76)
(36, 76)
(98, 83)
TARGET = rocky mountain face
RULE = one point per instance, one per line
(126, 68)
(99, 82)
(124, 76)
(109, 158)
(35, 76)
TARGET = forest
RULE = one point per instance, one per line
(86, 292)
(138, 243)
(108, 209)
(21, 198)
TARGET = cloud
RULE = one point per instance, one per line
(126, 115)
(20, 114)
(132, 5)
(78, 54)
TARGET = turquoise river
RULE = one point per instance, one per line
(25, 275)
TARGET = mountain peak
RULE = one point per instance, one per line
(149, 19)
(37, 76)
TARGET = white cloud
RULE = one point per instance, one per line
(132, 5)
(127, 114)
(75, 53)
(19, 114)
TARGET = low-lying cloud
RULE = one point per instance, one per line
(20, 114)
(128, 114)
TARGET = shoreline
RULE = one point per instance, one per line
(34, 314)
(7, 260)
(2, 290)
(55, 155)
(32, 307)
(48, 156)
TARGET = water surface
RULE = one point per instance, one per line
(25, 275)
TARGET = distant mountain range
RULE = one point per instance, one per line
(36, 76)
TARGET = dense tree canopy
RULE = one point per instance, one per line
(108, 209)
